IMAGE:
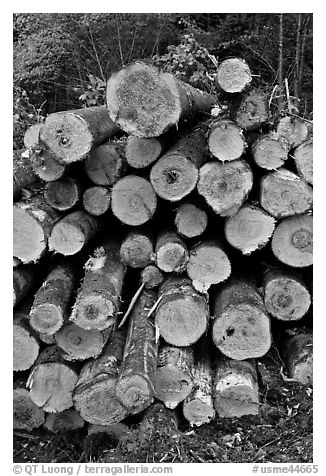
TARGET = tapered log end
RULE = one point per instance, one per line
(46, 318)
(233, 75)
(26, 414)
(29, 241)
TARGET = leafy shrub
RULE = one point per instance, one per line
(24, 115)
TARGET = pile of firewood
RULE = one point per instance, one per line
(162, 244)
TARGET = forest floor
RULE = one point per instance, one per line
(282, 433)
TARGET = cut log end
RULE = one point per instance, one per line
(29, 239)
(152, 277)
(80, 344)
(62, 194)
(172, 257)
(270, 152)
(297, 351)
(226, 141)
(303, 157)
(141, 153)
(137, 250)
(25, 347)
(135, 392)
(46, 167)
(67, 420)
(293, 129)
(26, 414)
(97, 200)
(31, 136)
(46, 318)
(233, 75)
(253, 111)
(190, 220)
(198, 412)
(94, 311)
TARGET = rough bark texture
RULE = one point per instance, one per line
(25, 342)
(233, 75)
(23, 174)
(146, 102)
(226, 141)
(137, 249)
(303, 157)
(294, 129)
(151, 276)
(24, 280)
(96, 200)
(45, 165)
(252, 112)
(270, 152)
(141, 152)
(190, 220)
(105, 165)
(26, 415)
(66, 420)
(31, 136)
(171, 253)
(62, 194)
(297, 352)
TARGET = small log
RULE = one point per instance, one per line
(25, 342)
(233, 75)
(171, 253)
(104, 165)
(133, 200)
(45, 165)
(70, 135)
(190, 220)
(31, 136)
(226, 141)
(24, 279)
(151, 276)
(146, 102)
(33, 222)
(26, 415)
(137, 249)
(98, 299)
(235, 387)
(79, 344)
(72, 233)
(52, 381)
(63, 194)
(141, 153)
(241, 327)
(270, 152)
(303, 158)
(66, 420)
(249, 229)
(175, 174)
(208, 264)
(51, 302)
(135, 386)
(94, 394)
(292, 241)
(96, 200)
(286, 296)
(23, 174)
(174, 375)
(293, 129)
(297, 352)
(182, 314)
(252, 112)
(283, 194)
(225, 186)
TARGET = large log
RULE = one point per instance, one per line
(24, 279)
(67, 420)
(252, 112)
(190, 220)
(146, 102)
(249, 229)
(141, 153)
(97, 200)
(137, 249)
(303, 158)
(94, 395)
(135, 386)
(292, 241)
(233, 75)
(235, 388)
(175, 174)
(182, 313)
(174, 374)
(297, 352)
(133, 200)
(225, 140)
(98, 299)
(293, 129)
(23, 174)
(225, 186)
(241, 327)
(104, 164)
(26, 414)
(171, 253)
(151, 276)
(283, 194)
(25, 341)
(70, 135)
(270, 152)
(62, 194)
(45, 165)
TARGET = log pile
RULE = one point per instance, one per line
(159, 251)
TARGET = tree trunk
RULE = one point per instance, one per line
(280, 64)
(175, 174)
(182, 314)
(72, 233)
(62, 194)
(297, 61)
(174, 374)
(70, 135)
(151, 276)
(283, 194)
(99, 297)
(66, 420)
(297, 352)
(293, 129)
(303, 158)
(226, 141)
(97, 200)
(25, 341)
(105, 165)
(292, 241)
(249, 229)
(26, 415)
(236, 390)
(146, 102)
(133, 200)
(24, 279)
(233, 75)
(171, 253)
(135, 387)
(252, 112)
(270, 152)
(33, 222)
(141, 153)
(208, 264)
(23, 175)
(225, 186)
(241, 328)
(46, 167)
(137, 249)
(31, 136)
(190, 220)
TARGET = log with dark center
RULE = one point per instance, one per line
(226, 141)
(233, 75)
(67, 420)
(141, 152)
(297, 353)
(25, 341)
(137, 249)
(26, 414)
(294, 129)
(24, 279)
(97, 200)
(303, 158)
(190, 220)
(252, 112)
(270, 152)
(45, 165)
(104, 165)
(151, 276)
(171, 253)
(62, 194)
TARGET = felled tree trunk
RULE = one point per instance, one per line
(24, 279)
(151, 276)
(233, 75)
(26, 415)
(96, 200)
(294, 129)
(146, 102)
(141, 153)
(66, 420)
(62, 194)
(25, 341)
(23, 175)
(137, 249)
(171, 253)
(297, 352)
(190, 220)
(270, 152)
(252, 110)
(226, 141)
(104, 165)
(45, 165)
(303, 158)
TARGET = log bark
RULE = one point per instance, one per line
(297, 352)
(283, 194)
(97, 200)
(286, 296)
(235, 388)
(208, 264)
(26, 415)
(51, 303)
(226, 141)
(233, 75)
(62, 194)
(33, 222)
(25, 341)
(252, 112)
(24, 279)
(45, 165)
(104, 165)
(171, 253)
(72, 233)
(66, 420)
(250, 229)
(52, 381)
(225, 186)
(303, 158)
(70, 135)
(182, 313)
(293, 129)
(292, 241)
(23, 175)
(190, 220)
(270, 152)
(241, 327)
(175, 174)
(174, 375)
(151, 276)
(137, 249)
(98, 299)
(135, 386)
(31, 136)
(141, 153)
(146, 102)
(133, 200)
(94, 395)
